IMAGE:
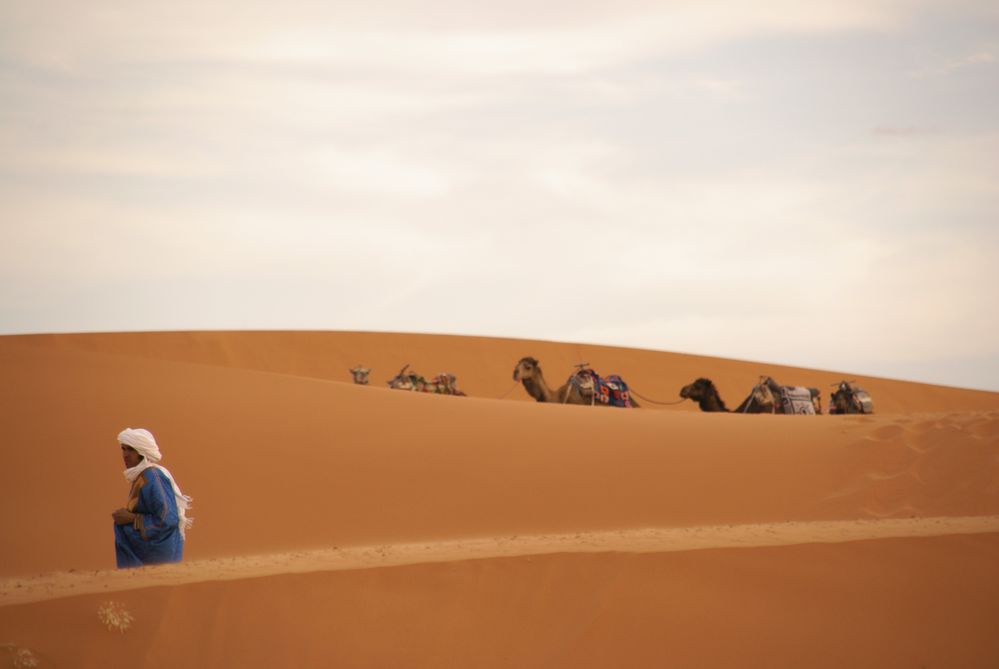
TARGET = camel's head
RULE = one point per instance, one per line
(527, 368)
(360, 374)
(698, 390)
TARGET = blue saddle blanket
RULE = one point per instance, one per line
(610, 390)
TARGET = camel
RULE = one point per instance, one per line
(579, 389)
(762, 399)
(360, 374)
(850, 398)
(442, 384)
(703, 392)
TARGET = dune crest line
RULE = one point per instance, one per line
(58, 585)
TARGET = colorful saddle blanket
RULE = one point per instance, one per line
(610, 390)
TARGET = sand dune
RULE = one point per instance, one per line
(887, 603)
(490, 530)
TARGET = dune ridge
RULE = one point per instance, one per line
(645, 540)
(484, 365)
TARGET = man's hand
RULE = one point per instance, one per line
(123, 517)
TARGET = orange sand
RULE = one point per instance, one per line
(341, 525)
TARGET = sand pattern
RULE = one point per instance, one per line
(948, 459)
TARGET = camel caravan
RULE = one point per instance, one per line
(584, 386)
(767, 396)
(442, 384)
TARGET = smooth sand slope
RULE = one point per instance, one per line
(366, 527)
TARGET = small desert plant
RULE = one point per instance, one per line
(20, 657)
(24, 658)
(115, 616)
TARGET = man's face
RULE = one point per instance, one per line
(130, 456)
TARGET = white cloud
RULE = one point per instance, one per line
(106, 161)
(984, 57)
(571, 42)
(378, 172)
(445, 36)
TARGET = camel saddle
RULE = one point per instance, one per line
(858, 397)
(796, 400)
(411, 381)
(611, 390)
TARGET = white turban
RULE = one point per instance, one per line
(145, 444)
(142, 441)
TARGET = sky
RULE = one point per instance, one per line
(812, 184)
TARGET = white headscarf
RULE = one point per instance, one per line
(143, 442)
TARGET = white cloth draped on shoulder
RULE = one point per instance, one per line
(144, 442)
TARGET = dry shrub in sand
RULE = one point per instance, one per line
(115, 616)
(20, 657)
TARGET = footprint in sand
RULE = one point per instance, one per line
(890, 511)
(987, 427)
(934, 424)
(945, 436)
(887, 433)
(875, 477)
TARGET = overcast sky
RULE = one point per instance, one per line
(810, 183)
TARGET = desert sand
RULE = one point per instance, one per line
(357, 526)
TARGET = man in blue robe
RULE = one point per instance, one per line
(150, 529)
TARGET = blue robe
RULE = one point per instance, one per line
(154, 537)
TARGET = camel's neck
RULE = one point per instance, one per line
(752, 405)
(712, 402)
(537, 388)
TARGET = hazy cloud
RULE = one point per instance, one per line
(985, 57)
